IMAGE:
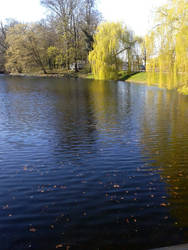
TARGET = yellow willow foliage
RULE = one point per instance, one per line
(167, 47)
(109, 40)
(151, 60)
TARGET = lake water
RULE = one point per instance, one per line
(92, 165)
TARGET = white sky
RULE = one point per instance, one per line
(136, 14)
(21, 10)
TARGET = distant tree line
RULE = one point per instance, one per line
(63, 39)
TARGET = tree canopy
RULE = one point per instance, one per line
(167, 47)
(63, 39)
(110, 40)
(70, 35)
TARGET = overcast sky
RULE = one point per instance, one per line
(137, 14)
(21, 10)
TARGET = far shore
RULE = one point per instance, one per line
(123, 76)
(138, 77)
(53, 75)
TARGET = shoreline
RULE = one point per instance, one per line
(134, 81)
(52, 75)
(75, 75)
(142, 82)
(79, 75)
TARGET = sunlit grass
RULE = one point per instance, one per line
(139, 77)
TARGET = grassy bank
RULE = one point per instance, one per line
(62, 74)
(83, 74)
(140, 77)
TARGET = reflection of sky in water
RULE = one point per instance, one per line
(77, 156)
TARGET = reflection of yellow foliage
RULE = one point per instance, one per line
(103, 103)
(164, 140)
(167, 47)
(98, 93)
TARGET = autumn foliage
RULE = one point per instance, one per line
(167, 47)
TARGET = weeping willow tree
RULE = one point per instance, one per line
(110, 40)
(167, 47)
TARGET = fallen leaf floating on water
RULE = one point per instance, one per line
(5, 207)
(25, 168)
(59, 246)
(132, 219)
(164, 197)
(33, 230)
(164, 204)
(127, 220)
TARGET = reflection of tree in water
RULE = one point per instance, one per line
(165, 140)
(87, 108)
(90, 110)
(110, 109)
(61, 106)
(74, 114)
(103, 102)
(76, 109)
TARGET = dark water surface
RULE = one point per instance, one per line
(91, 165)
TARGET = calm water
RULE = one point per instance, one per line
(91, 165)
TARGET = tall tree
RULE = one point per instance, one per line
(3, 46)
(76, 21)
(91, 19)
(167, 46)
(66, 13)
(110, 41)
(26, 48)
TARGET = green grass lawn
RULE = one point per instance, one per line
(139, 77)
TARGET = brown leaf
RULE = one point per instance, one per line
(163, 205)
(5, 207)
(25, 168)
(59, 246)
(127, 220)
